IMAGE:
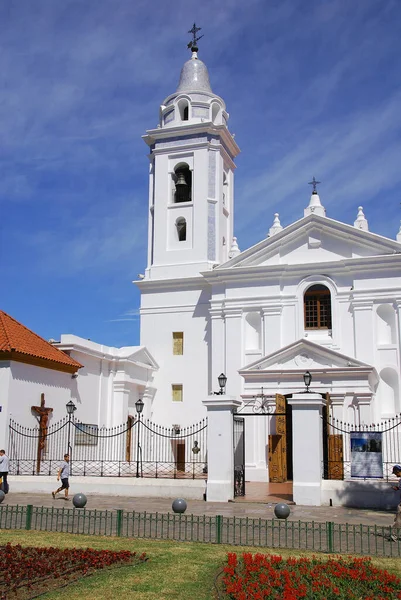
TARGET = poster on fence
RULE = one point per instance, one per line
(366, 454)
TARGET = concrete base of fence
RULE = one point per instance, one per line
(360, 494)
(190, 489)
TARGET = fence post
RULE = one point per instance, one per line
(119, 521)
(329, 533)
(28, 522)
(219, 528)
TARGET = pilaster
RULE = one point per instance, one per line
(220, 447)
(363, 329)
(271, 328)
(307, 448)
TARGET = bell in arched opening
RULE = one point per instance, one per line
(183, 185)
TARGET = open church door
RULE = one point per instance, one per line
(278, 444)
(332, 447)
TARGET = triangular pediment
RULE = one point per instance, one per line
(314, 239)
(305, 355)
(139, 355)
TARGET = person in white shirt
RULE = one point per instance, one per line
(63, 474)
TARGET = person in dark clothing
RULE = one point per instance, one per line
(4, 467)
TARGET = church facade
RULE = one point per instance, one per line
(318, 295)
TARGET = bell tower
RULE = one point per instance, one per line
(191, 180)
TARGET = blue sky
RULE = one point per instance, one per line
(312, 87)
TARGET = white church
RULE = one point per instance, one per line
(318, 295)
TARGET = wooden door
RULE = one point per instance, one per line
(335, 457)
(333, 444)
(278, 444)
(276, 464)
(180, 456)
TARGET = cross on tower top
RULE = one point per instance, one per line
(193, 43)
(314, 184)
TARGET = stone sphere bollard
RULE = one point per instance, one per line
(79, 500)
(2, 496)
(282, 511)
(179, 505)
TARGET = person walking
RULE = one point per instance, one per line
(396, 527)
(4, 467)
(63, 474)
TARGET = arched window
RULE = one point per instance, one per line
(183, 107)
(389, 391)
(215, 112)
(183, 183)
(253, 331)
(386, 326)
(181, 225)
(317, 307)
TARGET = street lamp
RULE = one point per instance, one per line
(307, 380)
(222, 379)
(71, 408)
(139, 408)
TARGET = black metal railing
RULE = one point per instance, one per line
(135, 448)
(387, 447)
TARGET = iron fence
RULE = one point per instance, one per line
(390, 446)
(328, 536)
(137, 448)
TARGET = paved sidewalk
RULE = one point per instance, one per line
(319, 514)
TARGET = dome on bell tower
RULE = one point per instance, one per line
(194, 76)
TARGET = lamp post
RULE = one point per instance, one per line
(139, 408)
(307, 380)
(71, 408)
(222, 379)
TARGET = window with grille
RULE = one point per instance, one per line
(317, 308)
(178, 343)
(177, 392)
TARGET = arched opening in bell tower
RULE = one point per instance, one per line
(183, 183)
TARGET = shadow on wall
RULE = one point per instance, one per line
(361, 494)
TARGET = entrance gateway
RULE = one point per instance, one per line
(280, 455)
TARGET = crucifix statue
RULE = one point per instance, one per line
(42, 414)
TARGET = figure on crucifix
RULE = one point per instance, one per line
(42, 414)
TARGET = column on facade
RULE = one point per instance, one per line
(220, 447)
(119, 412)
(233, 348)
(398, 310)
(307, 447)
(363, 330)
(363, 401)
(217, 355)
(271, 328)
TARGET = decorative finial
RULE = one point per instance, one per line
(193, 46)
(361, 222)
(314, 183)
(276, 227)
(234, 251)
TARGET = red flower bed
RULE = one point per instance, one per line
(259, 576)
(25, 572)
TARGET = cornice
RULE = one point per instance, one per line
(154, 135)
(38, 362)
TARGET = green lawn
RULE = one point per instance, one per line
(178, 571)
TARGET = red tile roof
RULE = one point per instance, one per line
(17, 342)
